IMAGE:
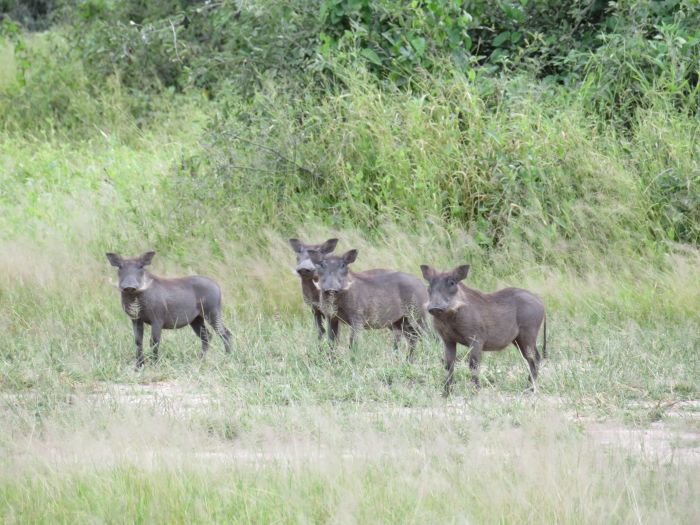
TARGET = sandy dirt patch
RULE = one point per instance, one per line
(663, 440)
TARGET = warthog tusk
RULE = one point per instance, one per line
(145, 285)
(456, 306)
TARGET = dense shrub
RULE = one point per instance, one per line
(550, 124)
(617, 51)
(521, 168)
(32, 14)
(654, 49)
(218, 46)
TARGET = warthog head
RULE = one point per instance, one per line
(443, 288)
(333, 271)
(305, 267)
(132, 276)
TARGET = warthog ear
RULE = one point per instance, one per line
(114, 259)
(428, 272)
(296, 245)
(328, 246)
(460, 273)
(146, 258)
(350, 256)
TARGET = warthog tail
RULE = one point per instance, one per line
(544, 339)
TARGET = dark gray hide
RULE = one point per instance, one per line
(372, 299)
(483, 321)
(167, 303)
(306, 271)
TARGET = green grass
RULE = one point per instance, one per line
(284, 431)
(486, 460)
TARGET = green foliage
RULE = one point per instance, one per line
(484, 140)
(398, 37)
(32, 14)
(513, 168)
(653, 50)
(47, 92)
(667, 157)
(218, 46)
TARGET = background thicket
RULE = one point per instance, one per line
(567, 126)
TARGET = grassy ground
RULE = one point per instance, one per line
(284, 431)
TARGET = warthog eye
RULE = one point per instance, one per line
(451, 282)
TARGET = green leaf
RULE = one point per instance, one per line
(372, 56)
(501, 38)
(418, 44)
(467, 42)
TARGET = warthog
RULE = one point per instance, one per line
(483, 321)
(309, 278)
(167, 303)
(372, 299)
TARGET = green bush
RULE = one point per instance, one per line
(522, 145)
(48, 91)
(651, 51)
(32, 14)
(218, 46)
(516, 169)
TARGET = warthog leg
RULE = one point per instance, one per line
(333, 327)
(138, 338)
(216, 320)
(529, 353)
(200, 329)
(412, 334)
(450, 357)
(397, 330)
(474, 362)
(407, 328)
(353, 334)
(155, 339)
(318, 317)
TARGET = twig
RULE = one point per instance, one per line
(250, 168)
(278, 154)
(172, 27)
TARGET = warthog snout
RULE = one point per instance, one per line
(437, 309)
(305, 268)
(129, 285)
(330, 286)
